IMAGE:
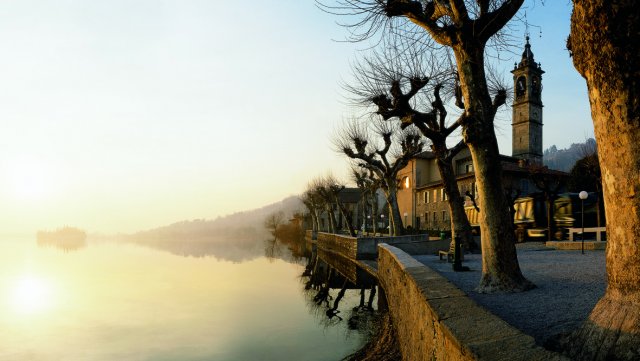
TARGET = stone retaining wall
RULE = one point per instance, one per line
(434, 320)
(367, 247)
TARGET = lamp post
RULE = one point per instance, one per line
(583, 195)
(382, 218)
(368, 220)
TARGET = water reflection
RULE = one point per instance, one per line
(327, 274)
(67, 239)
(30, 294)
(116, 300)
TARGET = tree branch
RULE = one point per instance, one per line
(489, 24)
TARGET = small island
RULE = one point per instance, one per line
(66, 238)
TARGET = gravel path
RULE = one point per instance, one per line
(568, 286)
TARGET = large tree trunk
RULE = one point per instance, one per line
(500, 268)
(605, 41)
(332, 218)
(392, 199)
(347, 218)
(460, 225)
(374, 212)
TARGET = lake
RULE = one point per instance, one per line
(123, 301)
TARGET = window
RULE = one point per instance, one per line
(426, 197)
(442, 195)
(435, 220)
(426, 218)
(468, 168)
(405, 182)
(444, 215)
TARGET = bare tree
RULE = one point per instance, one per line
(310, 199)
(323, 194)
(465, 28)
(605, 43)
(334, 187)
(397, 86)
(549, 182)
(326, 191)
(273, 221)
(368, 184)
(384, 153)
(585, 175)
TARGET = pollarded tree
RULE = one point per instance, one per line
(328, 190)
(396, 84)
(385, 153)
(335, 188)
(317, 187)
(368, 184)
(605, 43)
(310, 200)
(465, 27)
(549, 182)
(585, 175)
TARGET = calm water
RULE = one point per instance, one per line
(118, 301)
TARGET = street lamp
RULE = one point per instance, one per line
(368, 220)
(583, 195)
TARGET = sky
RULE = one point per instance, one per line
(126, 115)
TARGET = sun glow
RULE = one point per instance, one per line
(30, 295)
(28, 179)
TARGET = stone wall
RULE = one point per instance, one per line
(367, 247)
(434, 320)
(345, 245)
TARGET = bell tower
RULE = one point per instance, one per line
(527, 108)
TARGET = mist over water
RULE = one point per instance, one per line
(165, 300)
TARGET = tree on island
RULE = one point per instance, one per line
(383, 149)
(604, 43)
(464, 28)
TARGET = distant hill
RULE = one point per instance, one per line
(235, 237)
(564, 159)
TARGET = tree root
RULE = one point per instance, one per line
(612, 332)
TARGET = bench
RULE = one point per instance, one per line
(597, 230)
(450, 254)
(536, 232)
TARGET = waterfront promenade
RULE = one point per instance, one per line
(436, 311)
(568, 286)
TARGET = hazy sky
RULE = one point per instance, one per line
(124, 115)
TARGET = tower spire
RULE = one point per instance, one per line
(527, 107)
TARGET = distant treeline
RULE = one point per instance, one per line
(236, 237)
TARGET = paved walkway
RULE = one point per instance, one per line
(568, 286)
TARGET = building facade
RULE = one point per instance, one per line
(421, 197)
